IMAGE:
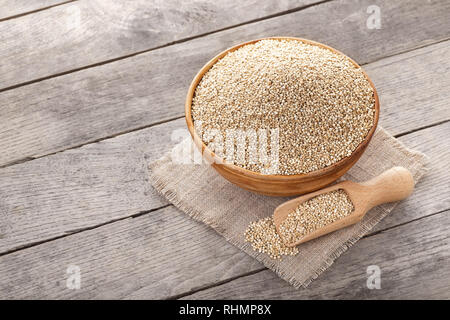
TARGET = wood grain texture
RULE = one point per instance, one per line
(414, 260)
(154, 264)
(87, 32)
(127, 259)
(100, 102)
(105, 181)
(80, 188)
(431, 194)
(409, 87)
(12, 8)
(100, 182)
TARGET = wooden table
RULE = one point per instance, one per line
(91, 92)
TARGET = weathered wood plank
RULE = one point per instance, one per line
(87, 32)
(80, 188)
(432, 193)
(50, 196)
(152, 264)
(148, 288)
(99, 102)
(13, 8)
(134, 259)
(408, 87)
(414, 260)
(128, 258)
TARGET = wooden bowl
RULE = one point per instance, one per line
(276, 185)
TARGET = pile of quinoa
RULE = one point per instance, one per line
(309, 216)
(322, 104)
(314, 214)
(263, 237)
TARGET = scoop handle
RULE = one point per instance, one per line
(392, 185)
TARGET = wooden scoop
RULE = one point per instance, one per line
(392, 185)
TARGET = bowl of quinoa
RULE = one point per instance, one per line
(282, 116)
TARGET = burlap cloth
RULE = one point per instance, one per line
(203, 194)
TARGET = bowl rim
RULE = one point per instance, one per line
(210, 156)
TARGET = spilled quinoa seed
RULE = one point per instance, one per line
(321, 103)
(263, 237)
(309, 216)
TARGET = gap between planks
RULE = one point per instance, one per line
(222, 282)
(420, 128)
(30, 158)
(49, 123)
(180, 218)
(75, 231)
(146, 212)
(138, 213)
(201, 35)
(401, 61)
(329, 280)
(18, 15)
(180, 117)
(20, 161)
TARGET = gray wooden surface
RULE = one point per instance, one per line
(10, 9)
(83, 110)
